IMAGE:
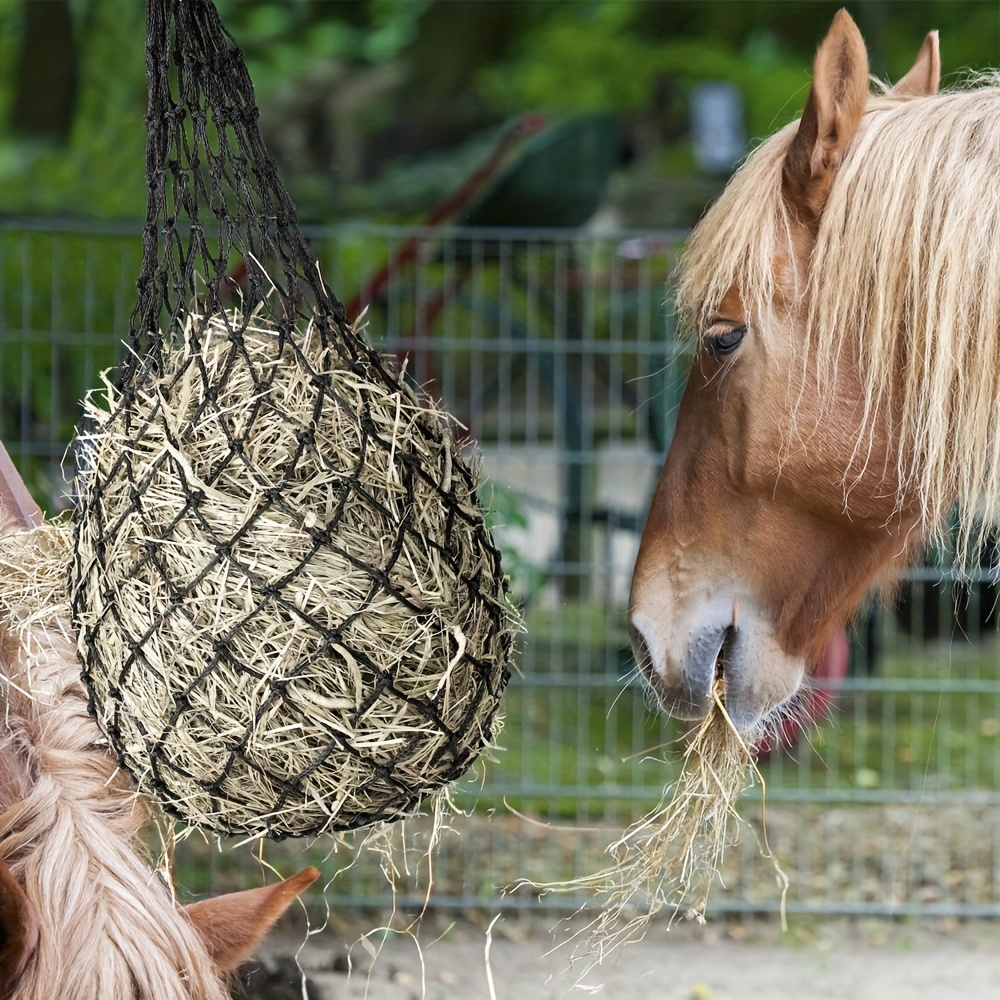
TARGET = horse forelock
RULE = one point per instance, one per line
(903, 279)
(70, 835)
(739, 239)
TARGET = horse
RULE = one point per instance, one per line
(83, 914)
(844, 293)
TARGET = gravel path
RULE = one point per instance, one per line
(718, 962)
(935, 855)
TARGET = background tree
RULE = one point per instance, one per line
(378, 108)
(46, 75)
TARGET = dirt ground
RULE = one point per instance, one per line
(934, 856)
(738, 961)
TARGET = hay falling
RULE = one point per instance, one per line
(292, 615)
(669, 859)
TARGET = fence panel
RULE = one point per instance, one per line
(557, 351)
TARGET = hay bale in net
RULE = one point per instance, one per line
(292, 615)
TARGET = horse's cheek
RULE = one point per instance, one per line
(748, 440)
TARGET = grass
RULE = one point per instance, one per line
(580, 741)
(929, 721)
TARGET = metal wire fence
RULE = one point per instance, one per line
(557, 351)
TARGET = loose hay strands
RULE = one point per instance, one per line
(33, 578)
(292, 615)
(670, 858)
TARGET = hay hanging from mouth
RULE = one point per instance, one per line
(670, 858)
(292, 615)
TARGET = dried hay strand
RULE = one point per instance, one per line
(292, 615)
(670, 858)
(33, 581)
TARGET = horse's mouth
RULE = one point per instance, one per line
(685, 654)
(725, 651)
(715, 655)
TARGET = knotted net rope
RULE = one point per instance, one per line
(292, 615)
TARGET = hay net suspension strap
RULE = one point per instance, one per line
(213, 193)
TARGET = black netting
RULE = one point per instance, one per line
(292, 615)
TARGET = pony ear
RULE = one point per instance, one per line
(18, 930)
(925, 73)
(832, 113)
(231, 926)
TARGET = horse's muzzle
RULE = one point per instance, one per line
(759, 677)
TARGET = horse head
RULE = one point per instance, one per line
(781, 500)
(82, 912)
(227, 928)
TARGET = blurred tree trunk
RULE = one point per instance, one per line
(46, 80)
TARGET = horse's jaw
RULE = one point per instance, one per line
(682, 649)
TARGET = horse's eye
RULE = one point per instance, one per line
(725, 341)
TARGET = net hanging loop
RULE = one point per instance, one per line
(213, 192)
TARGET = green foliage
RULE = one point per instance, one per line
(625, 56)
(969, 33)
(10, 23)
(100, 172)
(605, 62)
(582, 58)
(288, 42)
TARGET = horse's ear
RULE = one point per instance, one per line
(18, 930)
(925, 73)
(231, 926)
(832, 113)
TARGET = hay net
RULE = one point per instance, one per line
(292, 615)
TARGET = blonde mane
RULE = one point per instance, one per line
(70, 828)
(904, 277)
